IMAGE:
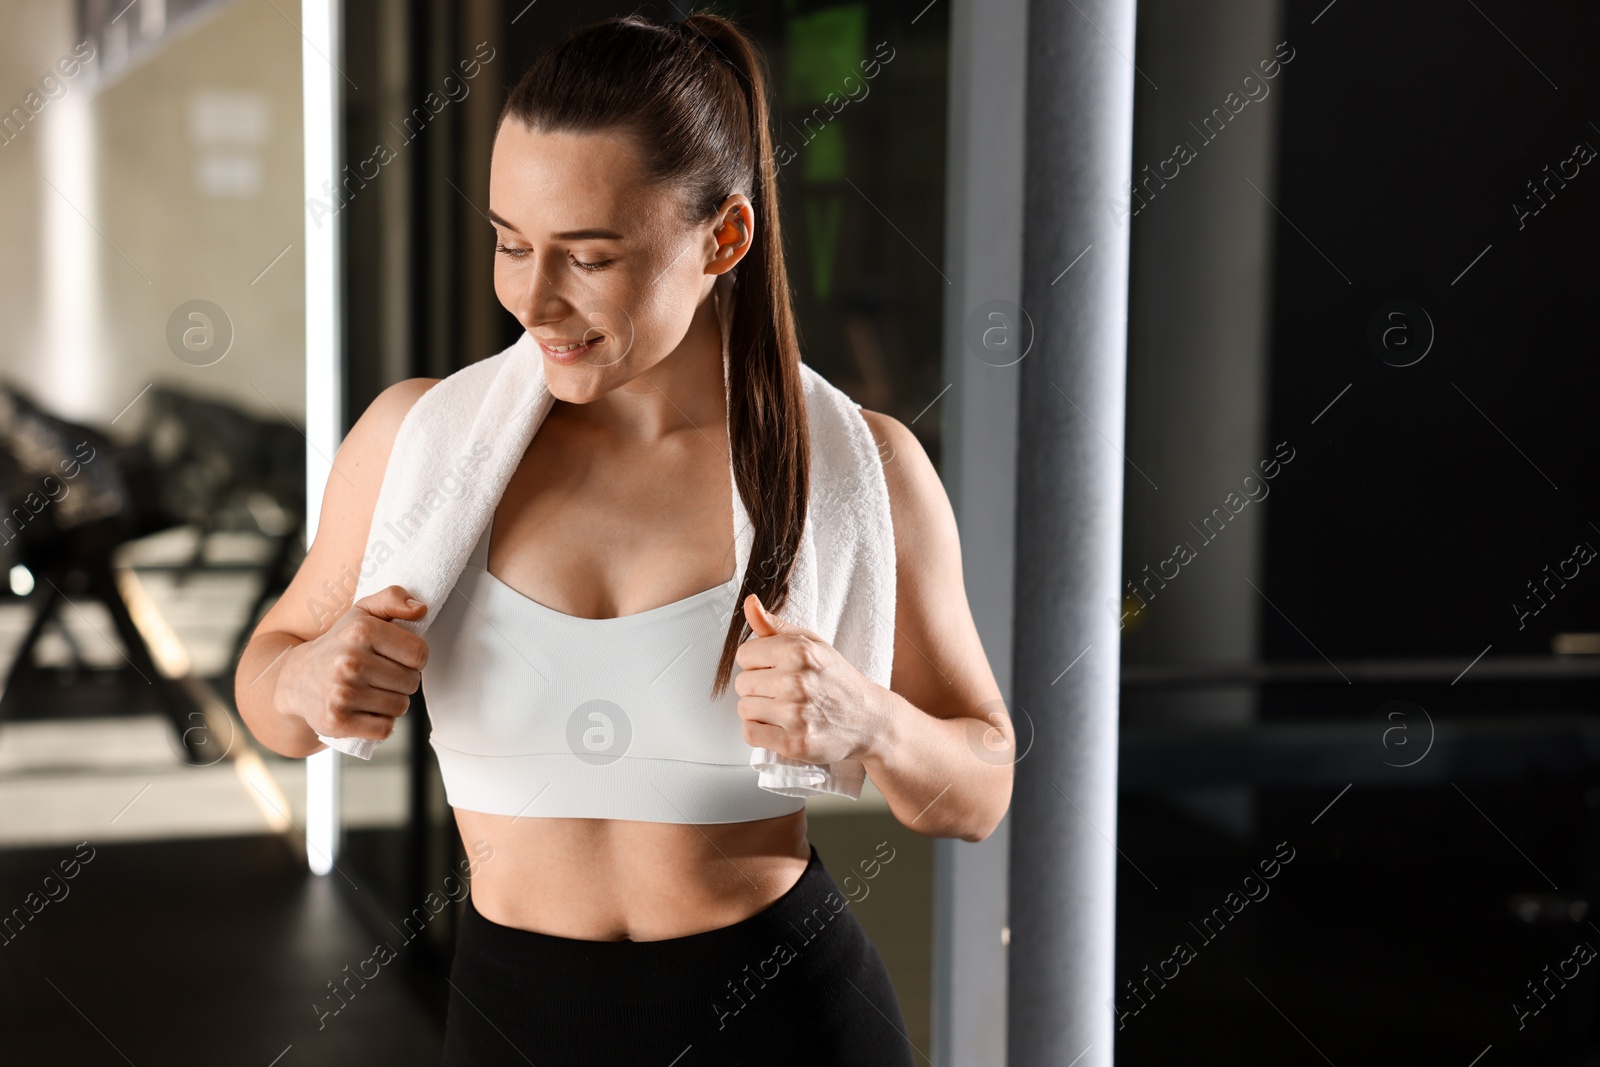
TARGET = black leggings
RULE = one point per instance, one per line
(797, 983)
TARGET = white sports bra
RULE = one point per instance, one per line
(537, 713)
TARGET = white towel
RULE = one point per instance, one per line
(458, 446)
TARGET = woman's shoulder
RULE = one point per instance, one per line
(889, 433)
(390, 407)
(403, 394)
(906, 466)
(379, 424)
(364, 453)
(919, 506)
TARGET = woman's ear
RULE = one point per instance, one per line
(733, 235)
(733, 222)
(733, 231)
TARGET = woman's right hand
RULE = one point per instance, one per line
(355, 679)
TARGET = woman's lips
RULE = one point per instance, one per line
(574, 355)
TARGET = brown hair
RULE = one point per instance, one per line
(694, 97)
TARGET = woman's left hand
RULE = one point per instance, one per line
(799, 697)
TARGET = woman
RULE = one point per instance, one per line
(632, 171)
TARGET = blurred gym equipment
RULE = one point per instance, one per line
(73, 496)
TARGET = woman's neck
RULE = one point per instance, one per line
(686, 389)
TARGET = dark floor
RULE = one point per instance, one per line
(193, 952)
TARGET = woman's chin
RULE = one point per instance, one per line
(575, 385)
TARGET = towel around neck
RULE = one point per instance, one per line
(460, 443)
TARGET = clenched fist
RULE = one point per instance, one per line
(358, 677)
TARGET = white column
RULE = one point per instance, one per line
(983, 257)
(320, 29)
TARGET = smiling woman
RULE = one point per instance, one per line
(703, 586)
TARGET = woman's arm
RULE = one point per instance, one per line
(944, 759)
(324, 587)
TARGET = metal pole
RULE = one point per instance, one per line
(1079, 129)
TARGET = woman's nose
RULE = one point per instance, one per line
(542, 299)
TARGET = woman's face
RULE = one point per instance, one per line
(589, 251)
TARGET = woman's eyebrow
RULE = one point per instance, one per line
(591, 234)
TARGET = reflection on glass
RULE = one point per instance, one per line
(151, 464)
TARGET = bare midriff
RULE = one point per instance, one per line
(596, 528)
(623, 880)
